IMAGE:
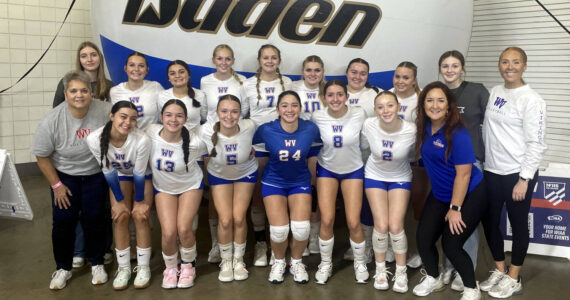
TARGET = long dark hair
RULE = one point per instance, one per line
(364, 62)
(191, 93)
(185, 133)
(453, 120)
(216, 127)
(105, 137)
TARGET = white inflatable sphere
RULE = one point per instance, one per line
(384, 33)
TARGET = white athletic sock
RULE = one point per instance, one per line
(226, 250)
(188, 255)
(170, 261)
(326, 248)
(124, 257)
(143, 256)
(380, 265)
(358, 250)
(296, 261)
(239, 250)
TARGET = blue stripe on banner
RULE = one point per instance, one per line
(116, 55)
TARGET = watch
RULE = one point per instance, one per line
(525, 179)
(455, 207)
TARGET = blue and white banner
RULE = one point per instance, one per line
(384, 33)
(549, 216)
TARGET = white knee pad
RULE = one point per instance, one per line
(195, 223)
(399, 242)
(301, 230)
(279, 234)
(379, 242)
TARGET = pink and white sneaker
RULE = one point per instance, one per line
(187, 276)
(170, 277)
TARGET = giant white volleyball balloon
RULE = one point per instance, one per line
(384, 33)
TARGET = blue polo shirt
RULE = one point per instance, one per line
(441, 173)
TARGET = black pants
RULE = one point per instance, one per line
(433, 225)
(499, 192)
(87, 205)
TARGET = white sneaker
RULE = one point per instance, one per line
(240, 272)
(260, 254)
(142, 280)
(306, 252)
(381, 279)
(122, 277)
(428, 285)
(348, 255)
(390, 258)
(226, 271)
(314, 243)
(446, 275)
(99, 274)
(493, 279)
(277, 272)
(414, 262)
(360, 272)
(59, 279)
(457, 284)
(214, 254)
(78, 262)
(506, 288)
(400, 281)
(324, 272)
(299, 273)
(108, 258)
(471, 294)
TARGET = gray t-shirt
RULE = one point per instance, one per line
(62, 138)
(472, 102)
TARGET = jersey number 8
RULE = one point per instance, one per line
(284, 155)
(337, 141)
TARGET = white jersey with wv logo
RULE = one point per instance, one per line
(309, 99)
(167, 162)
(341, 140)
(145, 98)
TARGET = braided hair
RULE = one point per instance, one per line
(226, 47)
(364, 62)
(185, 133)
(106, 133)
(216, 127)
(191, 93)
(258, 73)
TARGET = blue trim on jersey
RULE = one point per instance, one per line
(322, 172)
(213, 180)
(441, 172)
(139, 180)
(386, 185)
(112, 178)
(270, 190)
(287, 166)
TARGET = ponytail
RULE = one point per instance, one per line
(185, 145)
(281, 80)
(258, 79)
(215, 139)
(104, 143)
(236, 77)
(370, 86)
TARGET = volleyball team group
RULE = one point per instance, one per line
(286, 151)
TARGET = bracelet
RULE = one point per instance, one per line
(55, 186)
(455, 207)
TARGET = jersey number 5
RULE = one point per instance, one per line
(231, 159)
(284, 155)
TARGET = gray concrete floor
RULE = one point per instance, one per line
(27, 265)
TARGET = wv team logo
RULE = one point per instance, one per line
(554, 192)
(438, 143)
(500, 102)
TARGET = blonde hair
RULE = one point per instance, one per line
(226, 47)
(316, 59)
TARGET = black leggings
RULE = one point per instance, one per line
(433, 225)
(499, 192)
